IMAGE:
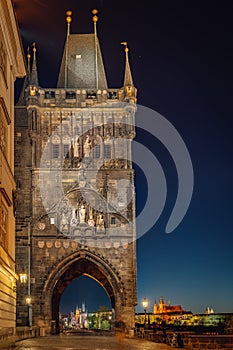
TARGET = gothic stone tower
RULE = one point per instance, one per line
(75, 184)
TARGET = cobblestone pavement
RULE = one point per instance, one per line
(63, 342)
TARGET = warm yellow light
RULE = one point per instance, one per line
(145, 303)
(28, 300)
(23, 277)
(33, 90)
(95, 17)
(68, 18)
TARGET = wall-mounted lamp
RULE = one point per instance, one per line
(28, 300)
(23, 277)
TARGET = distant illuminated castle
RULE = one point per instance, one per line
(162, 308)
(81, 315)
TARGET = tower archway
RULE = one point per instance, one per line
(74, 266)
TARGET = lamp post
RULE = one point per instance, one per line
(28, 298)
(145, 305)
(25, 279)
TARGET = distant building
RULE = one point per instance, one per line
(209, 310)
(162, 312)
(81, 316)
(162, 308)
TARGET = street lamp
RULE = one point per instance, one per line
(23, 277)
(28, 300)
(145, 305)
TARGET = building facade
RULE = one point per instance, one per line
(162, 308)
(12, 65)
(76, 211)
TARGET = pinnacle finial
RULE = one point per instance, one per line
(34, 75)
(125, 45)
(34, 48)
(95, 17)
(28, 57)
(68, 20)
(28, 54)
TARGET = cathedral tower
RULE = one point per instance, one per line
(76, 200)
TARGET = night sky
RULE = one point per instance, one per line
(181, 62)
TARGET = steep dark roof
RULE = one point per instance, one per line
(81, 53)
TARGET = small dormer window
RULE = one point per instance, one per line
(78, 56)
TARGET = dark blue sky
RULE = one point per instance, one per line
(181, 61)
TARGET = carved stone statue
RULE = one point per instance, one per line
(76, 149)
(100, 222)
(74, 220)
(64, 225)
(91, 221)
(82, 214)
(87, 146)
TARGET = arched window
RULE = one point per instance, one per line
(96, 151)
(55, 151)
(107, 151)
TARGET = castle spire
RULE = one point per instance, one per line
(34, 74)
(128, 80)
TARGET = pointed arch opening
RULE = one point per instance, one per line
(82, 263)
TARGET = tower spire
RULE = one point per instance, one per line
(29, 59)
(95, 20)
(128, 80)
(34, 74)
(26, 83)
(68, 21)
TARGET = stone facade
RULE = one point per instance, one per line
(12, 65)
(73, 165)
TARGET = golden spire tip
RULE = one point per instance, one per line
(95, 17)
(34, 46)
(68, 18)
(28, 54)
(126, 45)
